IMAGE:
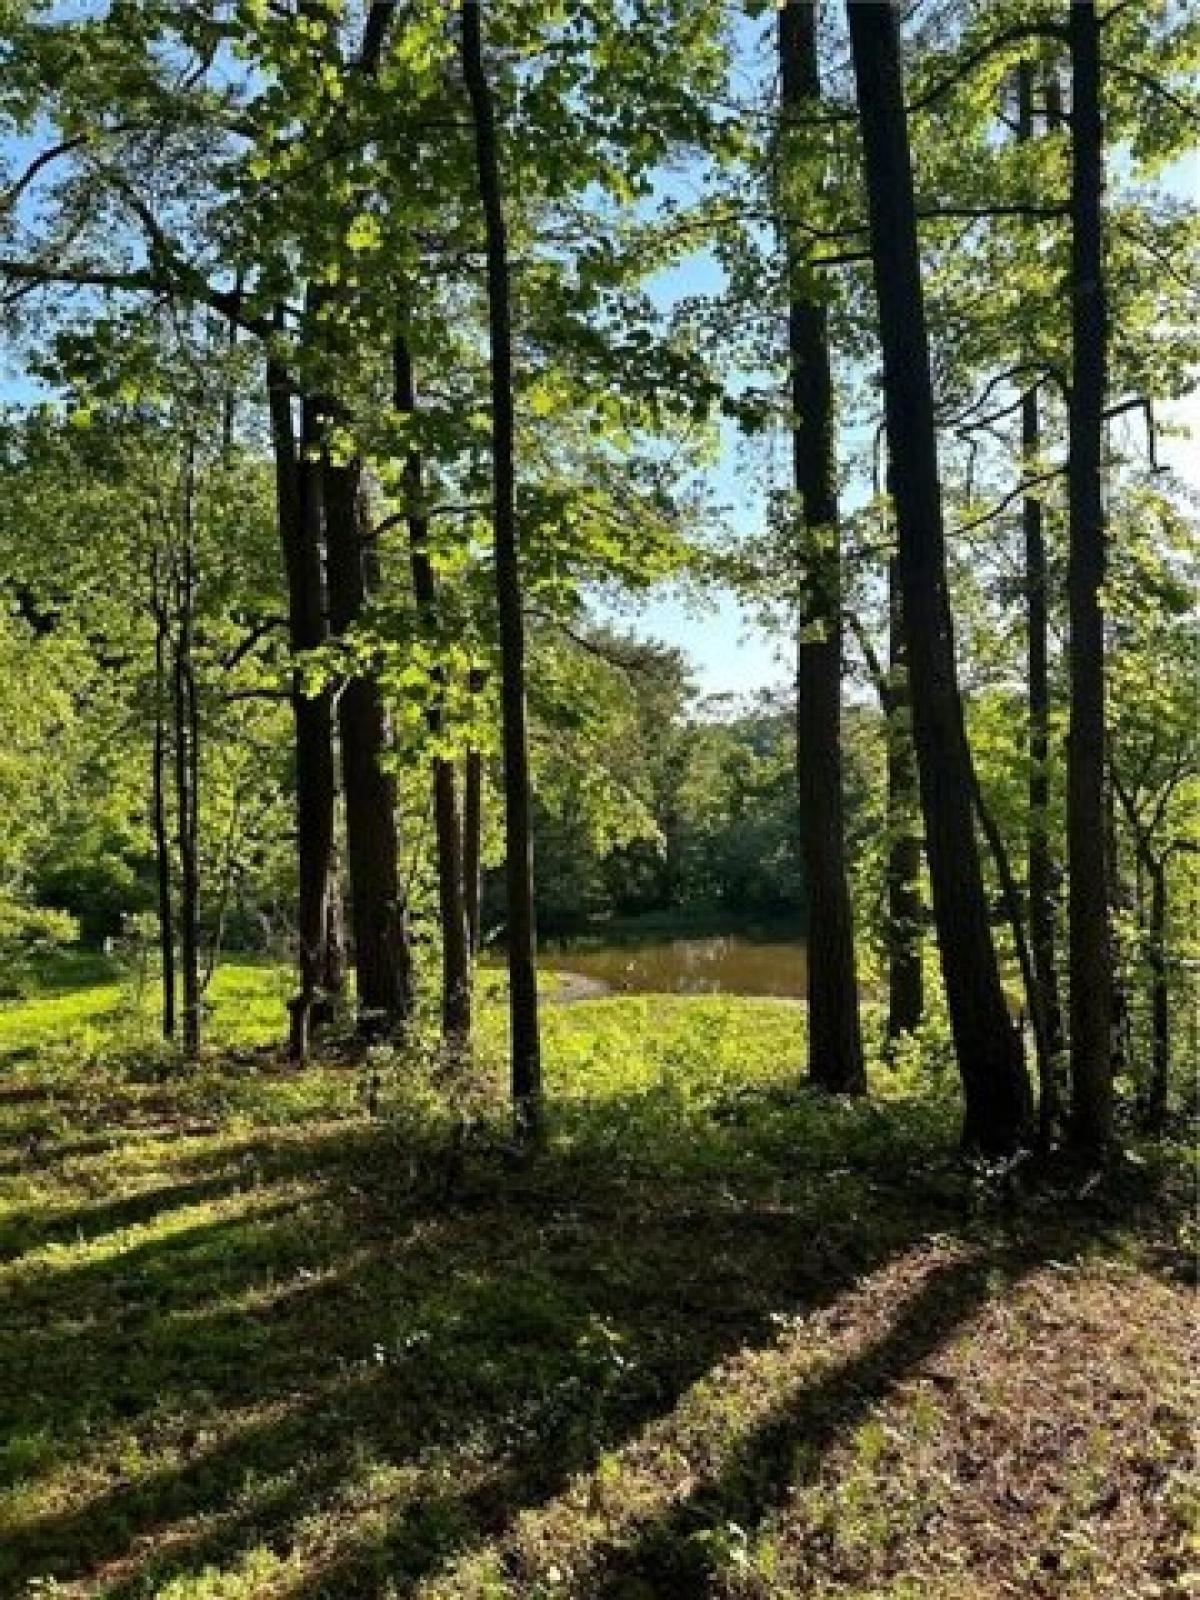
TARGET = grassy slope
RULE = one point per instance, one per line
(722, 1339)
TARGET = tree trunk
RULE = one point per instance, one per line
(835, 1055)
(456, 953)
(1160, 1000)
(1041, 862)
(473, 846)
(522, 968)
(378, 913)
(299, 533)
(333, 974)
(1088, 913)
(186, 746)
(905, 912)
(162, 840)
(996, 1089)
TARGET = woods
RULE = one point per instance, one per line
(597, 608)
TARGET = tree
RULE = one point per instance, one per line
(835, 1057)
(299, 532)
(519, 935)
(1038, 843)
(187, 747)
(1090, 943)
(452, 843)
(158, 801)
(1154, 767)
(381, 946)
(129, 501)
(905, 911)
(995, 1086)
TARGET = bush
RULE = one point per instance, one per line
(29, 934)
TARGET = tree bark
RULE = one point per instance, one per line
(448, 830)
(299, 533)
(473, 847)
(835, 1054)
(187, 763)
(1160, 999)
(333, 973)
(1040, 857)
(1091, 1004)
(162, 839)
(905, 912)
(995, 1086)
(522, 967)
(378, 913)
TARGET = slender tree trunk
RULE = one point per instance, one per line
(1040, 858)
(229, 397)
(522, 967)
(473, 847)
(162, 839)
(1160, 999)
(905, 912)
(456, 953)
(1122, 979)
(995, 1085)
(1012, 904)
(1088, 912)
(299, 532)
(378, 912)
(473, 827)
(186, 742)
(835, 1055)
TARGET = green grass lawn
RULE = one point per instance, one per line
(721, 1337)
(84, 1001)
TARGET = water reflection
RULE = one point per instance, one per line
(728, 965)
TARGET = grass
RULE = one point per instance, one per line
(85, 1001)
(721, 1338)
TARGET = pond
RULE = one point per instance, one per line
(727, 965)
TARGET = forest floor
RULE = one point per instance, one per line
(721, 1338)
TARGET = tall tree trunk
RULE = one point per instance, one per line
(835, 1055)
(1040, 858)
(1088, 912)
(299, 533)
(905, 912)
(162, 837)
(378, 912)
(522, 967)
(456, 953)
(186, 746)
(996, 1089)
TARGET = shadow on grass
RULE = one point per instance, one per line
(231, 1169)
(328, 1329)
(781, 1453)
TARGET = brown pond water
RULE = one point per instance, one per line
(729, 965)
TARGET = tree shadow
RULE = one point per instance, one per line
(347, 1332)
(781, 1453)
(230, 1168)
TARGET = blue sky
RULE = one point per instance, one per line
(730, 652)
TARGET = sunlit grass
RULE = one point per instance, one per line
(244, 1006)
(256, 1344)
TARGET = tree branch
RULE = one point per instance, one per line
(1122, 69)
(1014, 494)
